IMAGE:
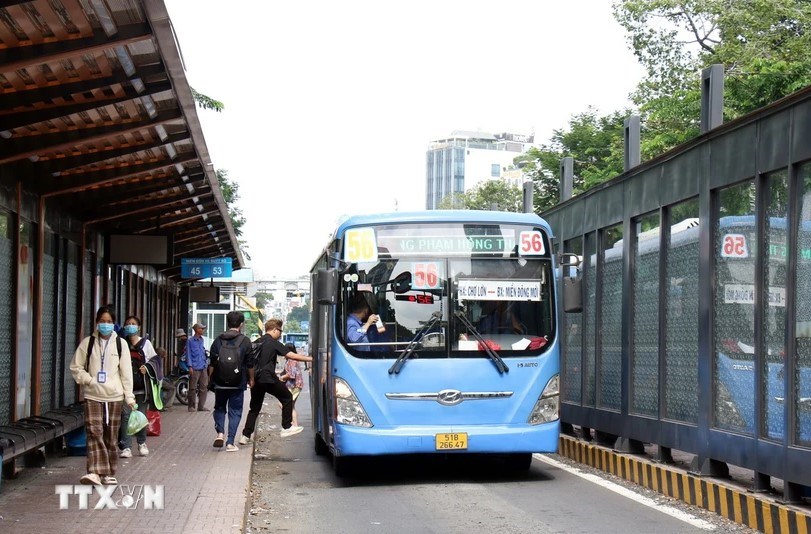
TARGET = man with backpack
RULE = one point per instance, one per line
(263, 380)
(228, 373)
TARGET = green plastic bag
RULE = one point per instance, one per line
(137, 421)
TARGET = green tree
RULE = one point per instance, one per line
(230, 194)
(763, 45)
(486, 194)
(206, 102)
(292, 325)
(262, 299)
(593, 141)
(301, 313)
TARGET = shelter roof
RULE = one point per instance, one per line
(97, 114)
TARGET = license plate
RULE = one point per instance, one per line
(451, 441)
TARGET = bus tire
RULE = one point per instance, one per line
(320, 446)
(519, 461)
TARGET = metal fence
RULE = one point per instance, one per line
(695, 332)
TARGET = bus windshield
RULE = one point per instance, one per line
(447, 291)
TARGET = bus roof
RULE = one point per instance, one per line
(442, 216)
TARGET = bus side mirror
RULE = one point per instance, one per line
(402, 283)
(326, 286)
(567, 259)
(572, 294)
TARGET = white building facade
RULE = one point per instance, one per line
(465, 159)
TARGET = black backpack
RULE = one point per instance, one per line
(228, 372)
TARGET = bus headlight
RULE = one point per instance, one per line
(547, 409)
(348, 408)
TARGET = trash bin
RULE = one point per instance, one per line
(76, 441)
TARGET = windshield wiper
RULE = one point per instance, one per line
(500, 365)
(414, 343)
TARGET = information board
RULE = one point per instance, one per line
(205, 267)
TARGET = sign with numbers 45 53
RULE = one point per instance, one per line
(205, 267)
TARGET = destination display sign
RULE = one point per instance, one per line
(745, 294)
(366, 244)
(205, 267)
(398, 245)
(524, 290)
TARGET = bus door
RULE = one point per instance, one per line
(325, 282)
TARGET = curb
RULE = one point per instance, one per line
(743, 507)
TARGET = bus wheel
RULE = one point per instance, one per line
(320, 446)
(519, 461)
(344, 466)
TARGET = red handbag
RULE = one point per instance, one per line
(153, 427)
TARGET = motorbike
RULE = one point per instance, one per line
(179, 378)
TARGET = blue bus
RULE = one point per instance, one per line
(299, 339)
(468, 358)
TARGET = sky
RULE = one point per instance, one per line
(330, 106)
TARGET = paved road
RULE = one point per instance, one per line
(296, 491)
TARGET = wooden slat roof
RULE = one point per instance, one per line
(97, 114)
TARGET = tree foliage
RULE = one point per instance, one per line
(763, 45)
(485, 196)
(296, 317)
(262, 299)
(594, 142)
(230, 194)
(206, 102)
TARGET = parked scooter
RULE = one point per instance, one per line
(180, 379)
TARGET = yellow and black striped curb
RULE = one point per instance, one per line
(735, 504)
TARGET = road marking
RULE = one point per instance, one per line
(625, 492)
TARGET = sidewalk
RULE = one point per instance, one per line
(205, 489)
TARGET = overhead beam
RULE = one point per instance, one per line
(75, 183)
(43, 94)
(9, 3)
(166, 221)
(196, 229)
(36, 54)
(72, 161)
(146, 211)
(23, 147)
(218, 246)
(24, 118)
(218, 233)
(136, 195)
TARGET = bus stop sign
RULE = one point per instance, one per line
(205, 267)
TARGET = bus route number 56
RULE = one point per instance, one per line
(530, 243)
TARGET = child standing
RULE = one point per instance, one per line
(293, 379)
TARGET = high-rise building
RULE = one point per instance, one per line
(464, 159)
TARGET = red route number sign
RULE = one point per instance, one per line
(734, 246)
(530, 243)
(426, 276)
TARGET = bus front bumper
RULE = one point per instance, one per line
(497, 439)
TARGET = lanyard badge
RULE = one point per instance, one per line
(101, 377)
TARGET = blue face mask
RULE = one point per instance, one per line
(105, 329)
(130, 329)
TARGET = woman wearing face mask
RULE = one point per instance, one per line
(101, 366)
(141, 354)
